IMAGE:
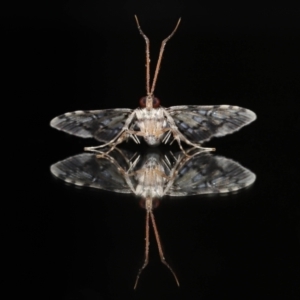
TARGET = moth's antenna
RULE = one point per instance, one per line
(147, 55)
(148, 206)
(147, 243)
(162, 48)
(160, 250)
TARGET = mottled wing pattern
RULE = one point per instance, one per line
(206, 174)
(88, 170)
(103, 125)
(201, 123)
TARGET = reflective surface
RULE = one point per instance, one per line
(152, 176)
(68, 242)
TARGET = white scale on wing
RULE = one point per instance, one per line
(190, 124)
(153, 176)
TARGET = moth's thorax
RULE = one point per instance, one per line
(151, 179)
(152, 124)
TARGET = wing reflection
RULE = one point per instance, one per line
(152, 176)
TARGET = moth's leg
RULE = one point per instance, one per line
(167, 137)
(126, 174)
(131, 173)
(129, 182)
(167, 163)
(112, 145)
(179, 162)
(114, 142)
(178, 136)
(112, 160)
(133, 164)
(127, 126)
(121, 136)
(176, 159)
(174, 170)
(105, 154)
(134, 137)
(133, 161)
(169, 181)
(181, 137)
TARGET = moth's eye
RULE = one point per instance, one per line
(156, 102)
(155, 203)
(143, 102)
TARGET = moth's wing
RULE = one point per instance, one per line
(88, 170)
(201, 123)
(103, 125)
(207, 174)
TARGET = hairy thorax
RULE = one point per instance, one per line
(152, 124)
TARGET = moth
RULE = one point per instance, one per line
(153, 176)
(191, 124)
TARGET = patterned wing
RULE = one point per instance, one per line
(87, 170)
(103, 125)
(201, 123)
(206, 174)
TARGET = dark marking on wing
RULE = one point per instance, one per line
(87, 170)
(103, 125)
(207, 174)
(201, 123)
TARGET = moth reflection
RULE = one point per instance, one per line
(152, 176)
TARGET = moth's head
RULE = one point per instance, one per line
(149, 102)
(149, 203)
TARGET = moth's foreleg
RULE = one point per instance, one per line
(119, 138)
(112, 144)
(134, 137)
(180, 137)
(167, 137)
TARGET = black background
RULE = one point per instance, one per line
(70, 243)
